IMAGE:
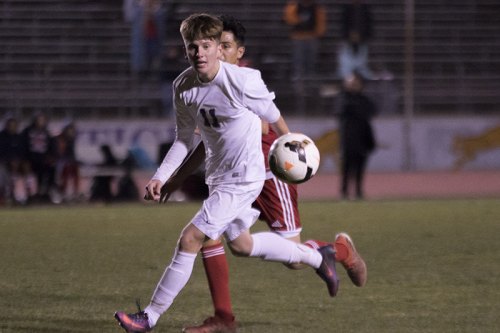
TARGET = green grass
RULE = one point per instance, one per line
(434, 266)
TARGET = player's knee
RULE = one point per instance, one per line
(190, 242)
(295, 266)
(239, 250)
(242, 246)
(210, 242)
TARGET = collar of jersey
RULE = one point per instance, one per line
(213, 80)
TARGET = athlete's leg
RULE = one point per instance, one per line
(272, 247)
(217, 271)
(174, 278)
(214, 258)
(177, 274)
(278, 204)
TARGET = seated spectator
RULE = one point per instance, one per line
(101, 188)
(17, 181)
(37, 142)
(67, 167)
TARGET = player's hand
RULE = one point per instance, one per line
(172, 185)
(165, 194)
(153, 190)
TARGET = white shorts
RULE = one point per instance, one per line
(228, 210)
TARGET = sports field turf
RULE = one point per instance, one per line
(434, 266)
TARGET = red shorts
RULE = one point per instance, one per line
(278, 207)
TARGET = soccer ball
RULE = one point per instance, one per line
(294, 158)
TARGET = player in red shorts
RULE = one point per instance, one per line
(278, 204)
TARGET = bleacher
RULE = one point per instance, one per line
(457, 55)
(71, 58)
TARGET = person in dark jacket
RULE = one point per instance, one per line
(13, 164)
(38, 143)
(356, 134)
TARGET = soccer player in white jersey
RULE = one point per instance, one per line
(225, 102)
(277, 203)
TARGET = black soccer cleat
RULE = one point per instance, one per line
(134, 322)
(327, 269)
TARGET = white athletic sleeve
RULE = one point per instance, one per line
(259, 99)
(172, 161)
(185, 127)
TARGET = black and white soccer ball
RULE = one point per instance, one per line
(294, 158)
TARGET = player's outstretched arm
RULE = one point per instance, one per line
(172, 161)
(188, 166)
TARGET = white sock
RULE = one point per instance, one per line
(271, 247)
(174, 278)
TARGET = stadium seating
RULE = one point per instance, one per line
(71, 58)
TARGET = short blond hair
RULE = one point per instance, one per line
(201, 26)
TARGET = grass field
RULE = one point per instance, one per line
(434, 266)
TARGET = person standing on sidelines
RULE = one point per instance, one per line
(277, 204)
(225, 102)
(357, 139)
(307, 21)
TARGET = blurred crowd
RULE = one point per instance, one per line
(39, 166)
(36, 166)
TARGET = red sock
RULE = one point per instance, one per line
(217, 269)
(315, 244)
(341, 251)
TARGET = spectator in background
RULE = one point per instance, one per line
(147, 19)
(307, 20)
(357, 30)
(100, 190)
(173, 64)
(67, 168)
(356, 134)
(37, 142)
(13, 165)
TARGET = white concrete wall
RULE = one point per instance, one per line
(431, 140)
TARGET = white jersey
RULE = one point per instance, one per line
(228, 112)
